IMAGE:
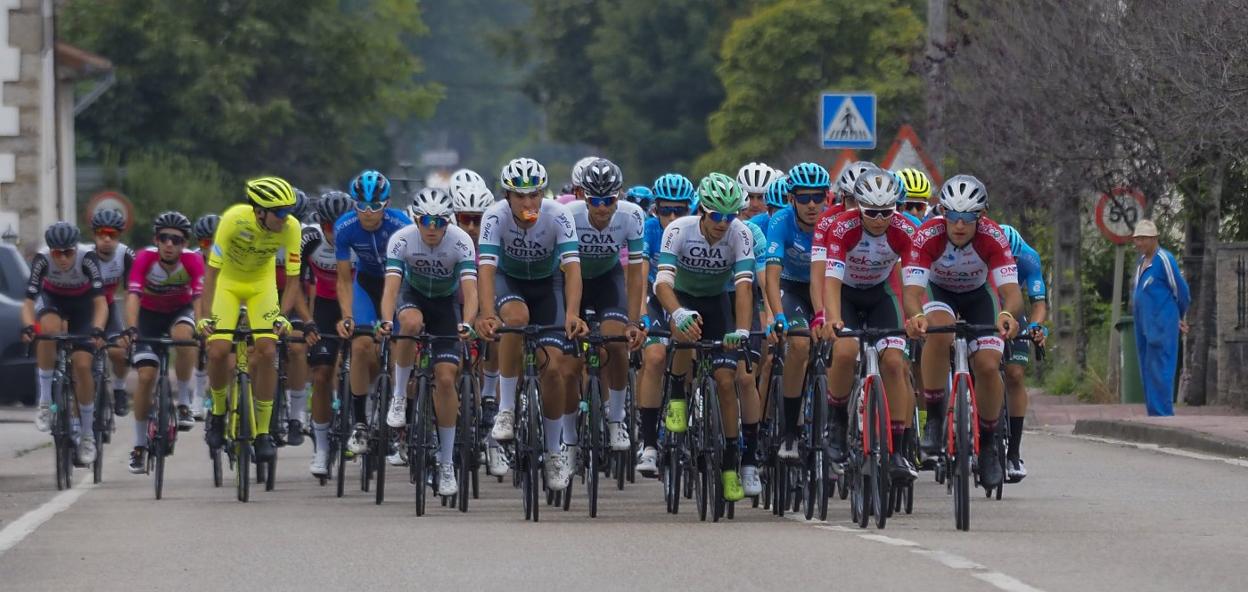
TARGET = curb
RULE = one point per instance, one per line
(1172, 437)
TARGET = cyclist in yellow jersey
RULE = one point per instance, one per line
(241, 272)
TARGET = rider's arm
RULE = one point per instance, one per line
(469, 287)
(132, 310)
(744, 305)
(818, 262)
(100, 317)
(91, 266)
(344, 287)
(390, 295)
(572, 289)
(568, 249)
(38, 269)
(635, 276)
(485, 289)
(210, 288)
(832, 299)
(771, 288)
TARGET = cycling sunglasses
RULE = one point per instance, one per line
(672, 211)
(108, 232)
(805, 198)
(719, 217)
(877, 213)
(965, 217)
(63, 252)
(371, 206)
(601, 201)
(176, 240)
(434, 222)
(468, 219)
(281, 213)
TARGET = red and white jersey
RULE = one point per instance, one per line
(934, 258)
(860, 259)
(819, 239)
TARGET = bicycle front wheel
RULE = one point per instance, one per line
(962, 464)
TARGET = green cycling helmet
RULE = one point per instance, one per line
(720, 193)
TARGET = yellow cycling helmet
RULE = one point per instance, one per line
(270, 193)
(916, 185)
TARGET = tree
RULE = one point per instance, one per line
(301, 88)
(775, 63)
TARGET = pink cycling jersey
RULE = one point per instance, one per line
(162, 289)
(934, 258)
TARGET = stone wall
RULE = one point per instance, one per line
(21, 39)
(1232, 322)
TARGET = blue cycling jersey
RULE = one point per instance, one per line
(369, 246)
(1030, 271)
(653, 234)
(789, 246)
(762, 220)
(913, 219)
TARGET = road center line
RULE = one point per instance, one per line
(30, 521)
(955, 562)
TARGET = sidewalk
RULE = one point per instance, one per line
(1212, 429)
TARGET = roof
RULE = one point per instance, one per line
(80, 61)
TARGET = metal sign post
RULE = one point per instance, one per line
(1116, 215)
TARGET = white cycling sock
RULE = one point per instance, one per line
(401, 375)
(551, 427)
(569, 428)
(184, 392)
(201, 383)
(507, 392)
(45, 386)
(119, 382)
(298, 403)
(615, 405)
(86, 415)
(489, 385)
(446, 445)
(320, 433)
(140, 433)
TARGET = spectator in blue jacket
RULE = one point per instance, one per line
(1159, 302)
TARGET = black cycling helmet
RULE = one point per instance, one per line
(332, 205)
(62, 235)
(174, 220)
(108, 218)
(206, 225)
(601, 178)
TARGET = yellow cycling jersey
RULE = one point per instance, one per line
(243, 250)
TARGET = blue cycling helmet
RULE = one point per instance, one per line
(370, 186)
(808, 175)
(776, 191)
(640, 195)
(901, 187)
(1015, 239)
(674, 187)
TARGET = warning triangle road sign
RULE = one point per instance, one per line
(847, 124)
(908, 153)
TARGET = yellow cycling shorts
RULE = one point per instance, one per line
(260, 298)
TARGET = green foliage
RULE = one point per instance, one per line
(776, 62)
(282, 86)
(158, 181)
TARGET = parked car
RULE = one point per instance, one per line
(17, 371)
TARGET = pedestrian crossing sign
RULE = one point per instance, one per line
(847, 120)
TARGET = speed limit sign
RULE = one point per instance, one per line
(1118, 211)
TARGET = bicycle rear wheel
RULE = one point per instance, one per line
(101, 428)
(962, 463)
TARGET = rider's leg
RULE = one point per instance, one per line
(184, 362)
(989, 390)
(403, 351)
(649, 394)
(513, 314)
(84, 388)
(297, 377)
(50, 323)
(446, 408)
(730, 413)
(616, 371)
(795, 359)
(1016, 391)
(897, 388)
(146, 372)
(364, 361)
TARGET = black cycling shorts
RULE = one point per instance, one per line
(544, 299)
(441, 317)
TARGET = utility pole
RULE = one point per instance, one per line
(936, 54)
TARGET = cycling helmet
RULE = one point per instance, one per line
(916, 185)
(431, 201)
(174, 220)
(108, 218)
(674, 187)
(370, 186)
(720, 193)
(62, 235)
(206, 225)
(808, 175)
(640, 195)
(303, 205)
(332, 205)
(469, 192)
(270, 192)
(846, 182)
(601, 177)
(524, 176)
(964, 193)
(876, 189)
(755, 177)
(1014, 238)
(578, 171)
(776, 192)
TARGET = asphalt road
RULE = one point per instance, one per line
(1092, 516)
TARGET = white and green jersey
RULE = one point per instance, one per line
(528, 253)
(600, 249)
(702, 268)
(434, 271)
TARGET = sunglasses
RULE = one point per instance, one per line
(965, 217)
(433, 221)
(805, 198)
(63, 252)
(108, 232)
(468, 219)
(672, 211)
(601, 201)
(877, 213)
(371, 206)
(719, 217)
(524, 182)
(173, 239)
(205, 243)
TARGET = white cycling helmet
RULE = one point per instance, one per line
(430, 202)
(964, 193)
(469, 192)
(578, 170)
(523, 176)
(876, 189)
(845, 184)
(756, 176)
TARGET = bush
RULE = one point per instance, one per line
(157, 181)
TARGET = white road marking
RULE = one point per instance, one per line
(1238, 462)
(992, 577)
(22, 527)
